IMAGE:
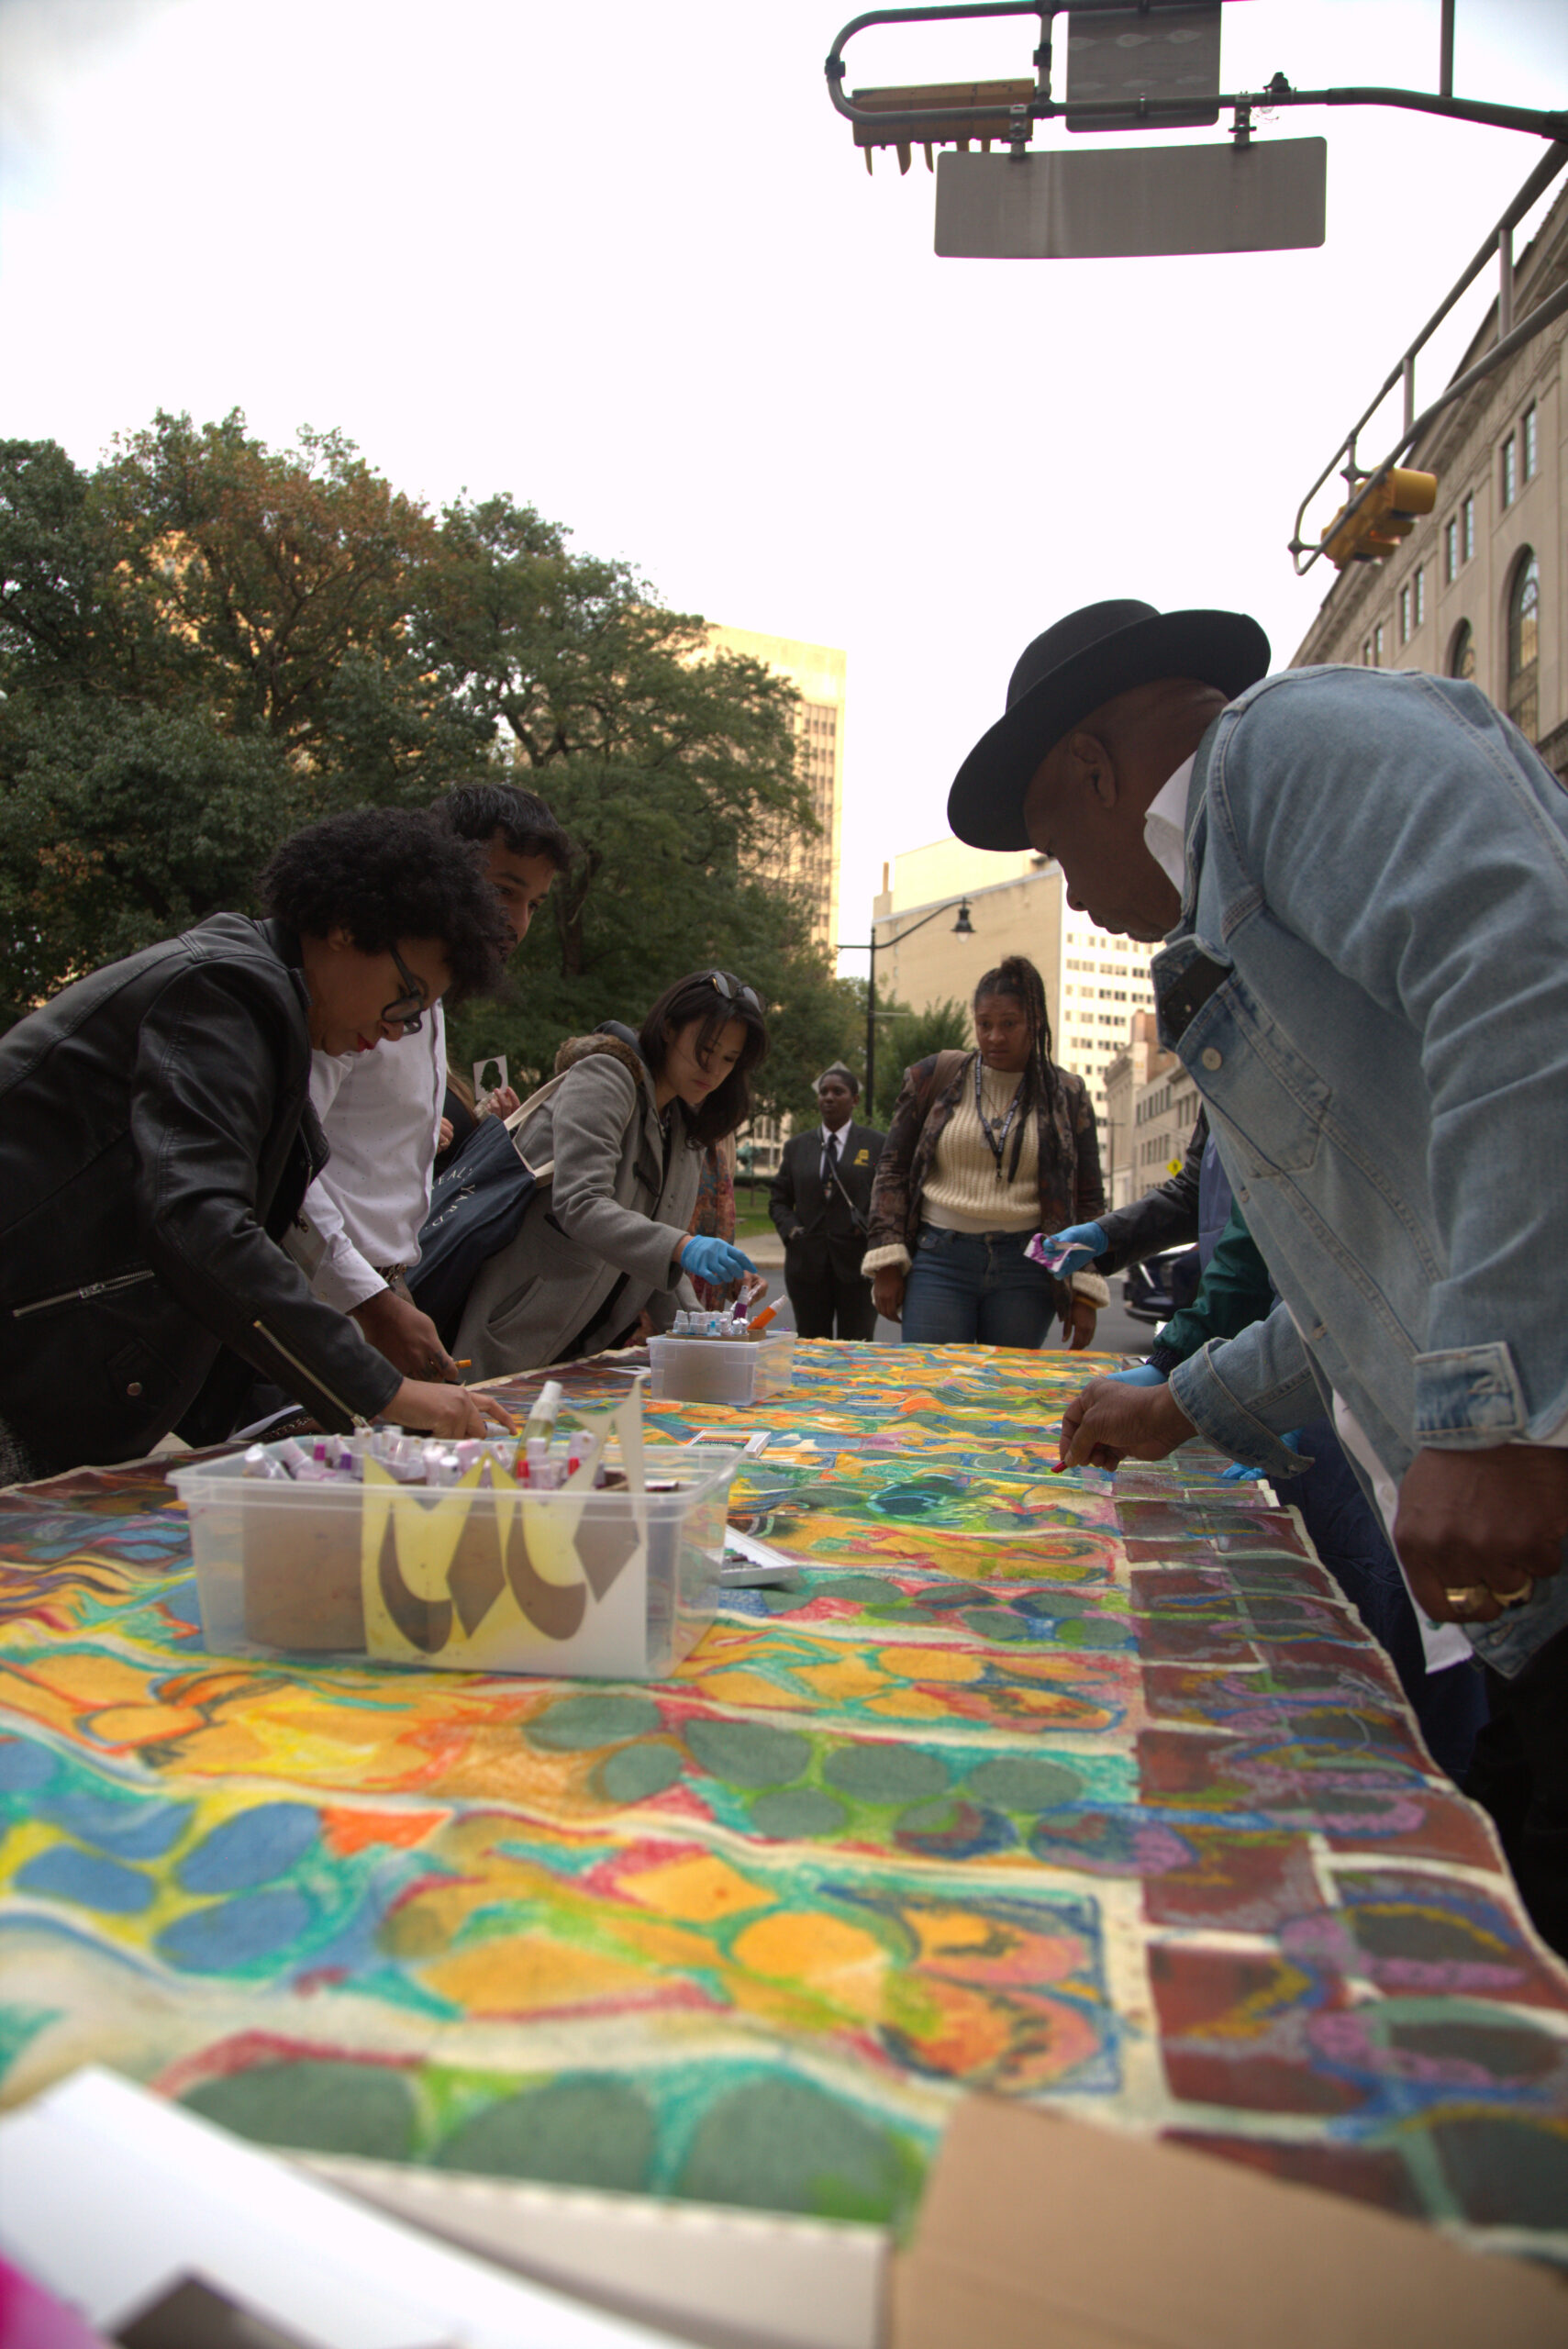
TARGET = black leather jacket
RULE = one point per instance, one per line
(156, 1140)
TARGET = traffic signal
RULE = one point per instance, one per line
(945, 108)
(1387, 512)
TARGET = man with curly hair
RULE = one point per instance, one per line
(156, 1139)
(381, 1110)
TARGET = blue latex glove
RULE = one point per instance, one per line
(714, 1260)
(1087, 1242)
(1144, 1375)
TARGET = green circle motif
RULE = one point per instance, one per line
(572, 2133)
(1022, 1783)
(578, 1723)
(318, 2108)
(1095, 1632)
(748, 1754)
(781, 2145)
(847, 1585)
(635, 1772)
(1000, 1623)
(797, 1814)
(886, 1773)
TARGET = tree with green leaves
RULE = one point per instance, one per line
(205, 643)
(673, 769)
(904, 1037)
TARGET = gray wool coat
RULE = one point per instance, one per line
(614, 1207)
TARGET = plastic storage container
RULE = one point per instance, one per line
(720, 1369)
(609, 1585)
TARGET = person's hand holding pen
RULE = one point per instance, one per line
(409, 1338)
(436, 1409)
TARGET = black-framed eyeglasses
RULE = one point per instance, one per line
(732, 990)
(409, 1011)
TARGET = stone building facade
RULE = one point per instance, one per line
(1480, 588)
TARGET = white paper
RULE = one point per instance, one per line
(109, 2195)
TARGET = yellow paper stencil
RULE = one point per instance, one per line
(535, 1570)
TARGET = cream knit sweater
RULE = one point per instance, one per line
(961, 1191)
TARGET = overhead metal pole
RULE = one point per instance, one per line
(964, 927)
(1445, 52)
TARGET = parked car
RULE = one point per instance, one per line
(1163, 1284)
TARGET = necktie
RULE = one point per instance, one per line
(829, 1161)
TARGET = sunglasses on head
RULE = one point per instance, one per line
(733, 991)
(409, 1011)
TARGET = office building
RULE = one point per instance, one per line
(1479, 588)
(809, 860)
(1017, 903)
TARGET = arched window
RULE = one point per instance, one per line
(1524, 646)
(1462, 653)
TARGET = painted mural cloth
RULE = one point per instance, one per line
(1103, 1796)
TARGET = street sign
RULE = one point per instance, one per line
(1258, 195)
(1120, 59)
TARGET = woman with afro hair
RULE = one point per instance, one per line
(157, 1138)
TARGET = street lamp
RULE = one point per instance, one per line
(962, 928)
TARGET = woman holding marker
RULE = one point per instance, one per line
(985, 1148)
(622, 1130)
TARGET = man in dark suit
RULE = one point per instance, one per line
(818, 1201)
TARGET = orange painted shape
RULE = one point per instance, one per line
(355, 1830)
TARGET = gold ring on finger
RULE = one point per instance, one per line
(1472, 1595)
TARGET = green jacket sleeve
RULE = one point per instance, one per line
(1236, 1292)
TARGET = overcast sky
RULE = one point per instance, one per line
(622, 261)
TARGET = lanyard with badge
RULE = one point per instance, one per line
(996, 1130)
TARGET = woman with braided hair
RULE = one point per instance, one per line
(986, 1147)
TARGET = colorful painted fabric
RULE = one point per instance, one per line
(1099, 1796)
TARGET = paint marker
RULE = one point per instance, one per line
(545, 1409)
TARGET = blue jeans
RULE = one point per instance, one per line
(976, 1288)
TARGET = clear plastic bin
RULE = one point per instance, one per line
(720, 1369)
(609, 1585)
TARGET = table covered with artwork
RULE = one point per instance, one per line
(1103, 1796)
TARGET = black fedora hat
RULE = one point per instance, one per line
(1084, 660)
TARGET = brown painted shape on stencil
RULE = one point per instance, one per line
(475, 1579)
(605, 1546)
(555, 1608)
(425, 1624)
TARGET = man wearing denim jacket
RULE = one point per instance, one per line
(1361, 880)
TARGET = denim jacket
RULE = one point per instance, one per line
(1369, 983)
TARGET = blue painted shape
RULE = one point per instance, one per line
(24, 1766)
(132, 1830)
(66, 1874)
(235, 1934)
(251, 1849)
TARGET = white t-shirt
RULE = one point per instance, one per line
(381, 1112)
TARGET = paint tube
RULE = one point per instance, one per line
(258, 1462)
